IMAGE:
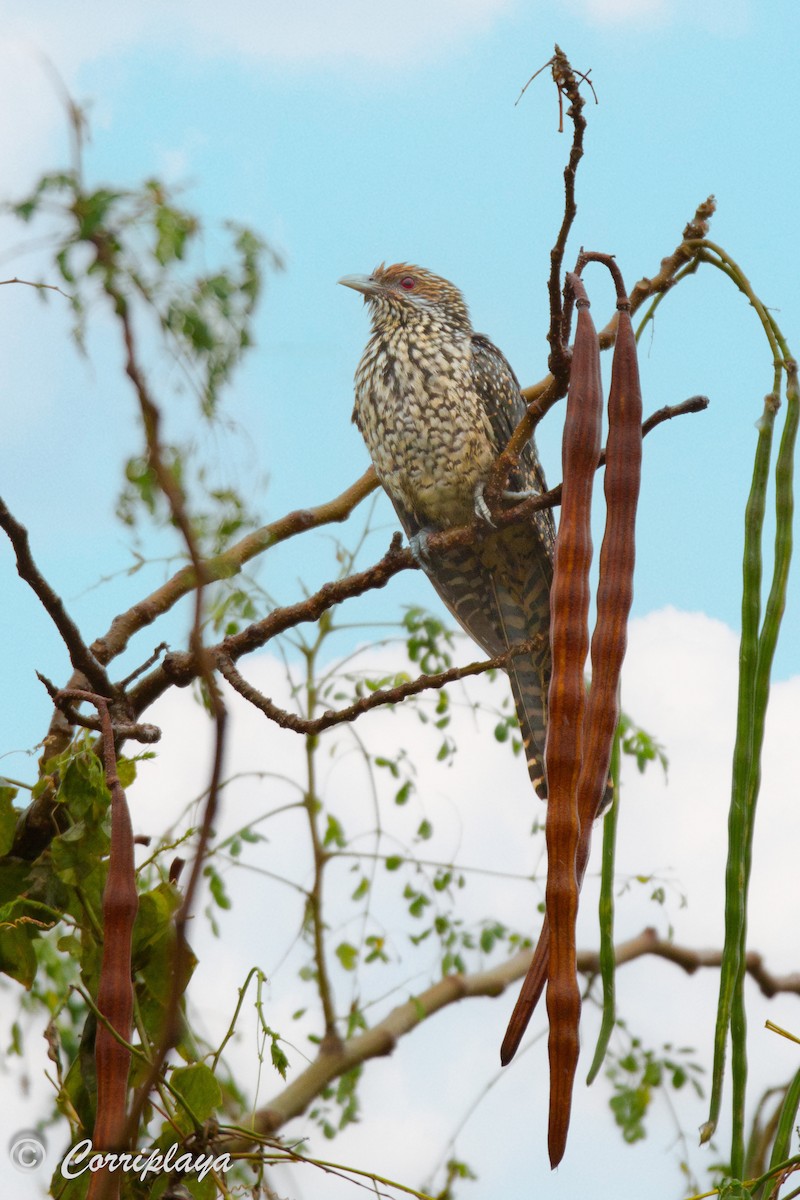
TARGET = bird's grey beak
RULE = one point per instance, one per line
(361, 283)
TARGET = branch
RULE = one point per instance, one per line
(169, 483)
(552, 498)
(180, 669)
(557, 336)
(381, 1040)
(83, 660)
(395, 695)
(39, 285)
(122, 730)
(229, 563)
(686, 254)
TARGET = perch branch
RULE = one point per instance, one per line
(179, 668)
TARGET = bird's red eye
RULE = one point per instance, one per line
(408, 283)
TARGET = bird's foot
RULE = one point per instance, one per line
(527, 495)
(420, 550)
(481, 507)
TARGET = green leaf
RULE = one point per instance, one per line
(201, 1189)
(394, 862)
(14, 878)
(361, 890)
(8, 818)
(154, 919)
(402, 794)
(17, 956)
(733, 1189)
(72, 1189)
(198, 1086)
(217, 887)
(126, 771)
(279, 1060)
(21, 921)
(334, 833)
(347, 955)
(487, 940)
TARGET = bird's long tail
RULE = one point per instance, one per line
(521, 587)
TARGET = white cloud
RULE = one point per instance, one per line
(728, 18)
(616, 11)
(261, 30)
(680, 682)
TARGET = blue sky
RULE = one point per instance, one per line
(354, 132)
(347, 136)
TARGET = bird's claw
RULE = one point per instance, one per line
(481, 507)
(526, 495)
(420, 551)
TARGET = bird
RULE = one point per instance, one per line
(436, 404)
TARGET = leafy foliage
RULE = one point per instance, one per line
(145, 252)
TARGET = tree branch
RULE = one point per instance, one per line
(395, 695)
(179, 668)
(685, 254)
(82, 658)
(229, 563)
(558, 334)
(382, 1039)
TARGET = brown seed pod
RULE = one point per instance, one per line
(614, 597)
(115, 990)
(569, 609)
(615, 586)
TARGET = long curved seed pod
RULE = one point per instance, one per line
(115, 991)
(569, 635)
(615, 586)
(743, 757)
(615, 591)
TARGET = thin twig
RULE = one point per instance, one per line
(170, 486)
(552, 498)
(558, 335)
(382, 696)
(670, 269)
(82, 658)
(123, 730)
(40, 287)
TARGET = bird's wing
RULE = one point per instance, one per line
(499, 390)
(519, 561)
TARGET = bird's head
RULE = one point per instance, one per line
(403, 290)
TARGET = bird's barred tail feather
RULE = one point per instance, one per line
(522, 599)
(499, 592)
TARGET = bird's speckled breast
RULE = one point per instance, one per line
(425, 428)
